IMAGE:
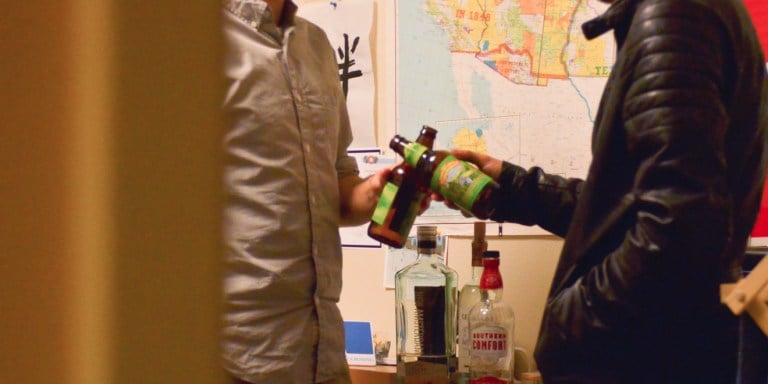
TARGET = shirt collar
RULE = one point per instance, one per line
(256, 12)
(618, 12)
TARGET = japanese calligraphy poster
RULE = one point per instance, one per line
(347, 23)
(758, 9)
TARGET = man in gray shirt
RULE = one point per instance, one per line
(290, 184)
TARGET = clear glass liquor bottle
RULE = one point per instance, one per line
(425, 310)
(469, 295)
(492, 329)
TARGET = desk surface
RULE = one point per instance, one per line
(379, 374)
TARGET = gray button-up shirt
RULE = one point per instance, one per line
(285, 152)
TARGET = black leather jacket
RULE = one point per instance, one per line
(663, 217)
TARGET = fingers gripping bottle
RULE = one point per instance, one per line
(456, 180)
(400, 200)
(491, 329)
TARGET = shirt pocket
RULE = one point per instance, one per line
(323, 101)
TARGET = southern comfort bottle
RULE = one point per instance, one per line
(491, 329)
(400, 200)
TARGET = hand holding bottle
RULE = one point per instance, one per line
(359, 196)
(454, 179)
(401, 198)
(489, 165)
(375, 186)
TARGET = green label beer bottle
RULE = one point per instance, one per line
(456, 180)
(400, 200)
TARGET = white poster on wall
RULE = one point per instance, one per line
(348, 25)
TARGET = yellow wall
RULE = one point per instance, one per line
(109, 188)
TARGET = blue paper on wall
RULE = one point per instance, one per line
(359, 343)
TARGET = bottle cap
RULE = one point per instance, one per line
(491, 254)
(396, 141)
(426, 129)
(426, 230)
(426, 236)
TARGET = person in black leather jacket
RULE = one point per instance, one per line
(664, 214)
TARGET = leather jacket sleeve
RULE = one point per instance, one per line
(534, 197)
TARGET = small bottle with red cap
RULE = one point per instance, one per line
(492, 329)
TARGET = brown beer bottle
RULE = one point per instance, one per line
(456, 180)
(400, 200)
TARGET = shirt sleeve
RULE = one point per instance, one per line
(345, 165)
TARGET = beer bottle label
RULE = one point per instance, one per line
(385, 203)
(385, 214)
(459, 182)
(413, 152)
(410, 217)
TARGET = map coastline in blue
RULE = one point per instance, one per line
(424, 73)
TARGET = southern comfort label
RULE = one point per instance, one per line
(489, 341)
